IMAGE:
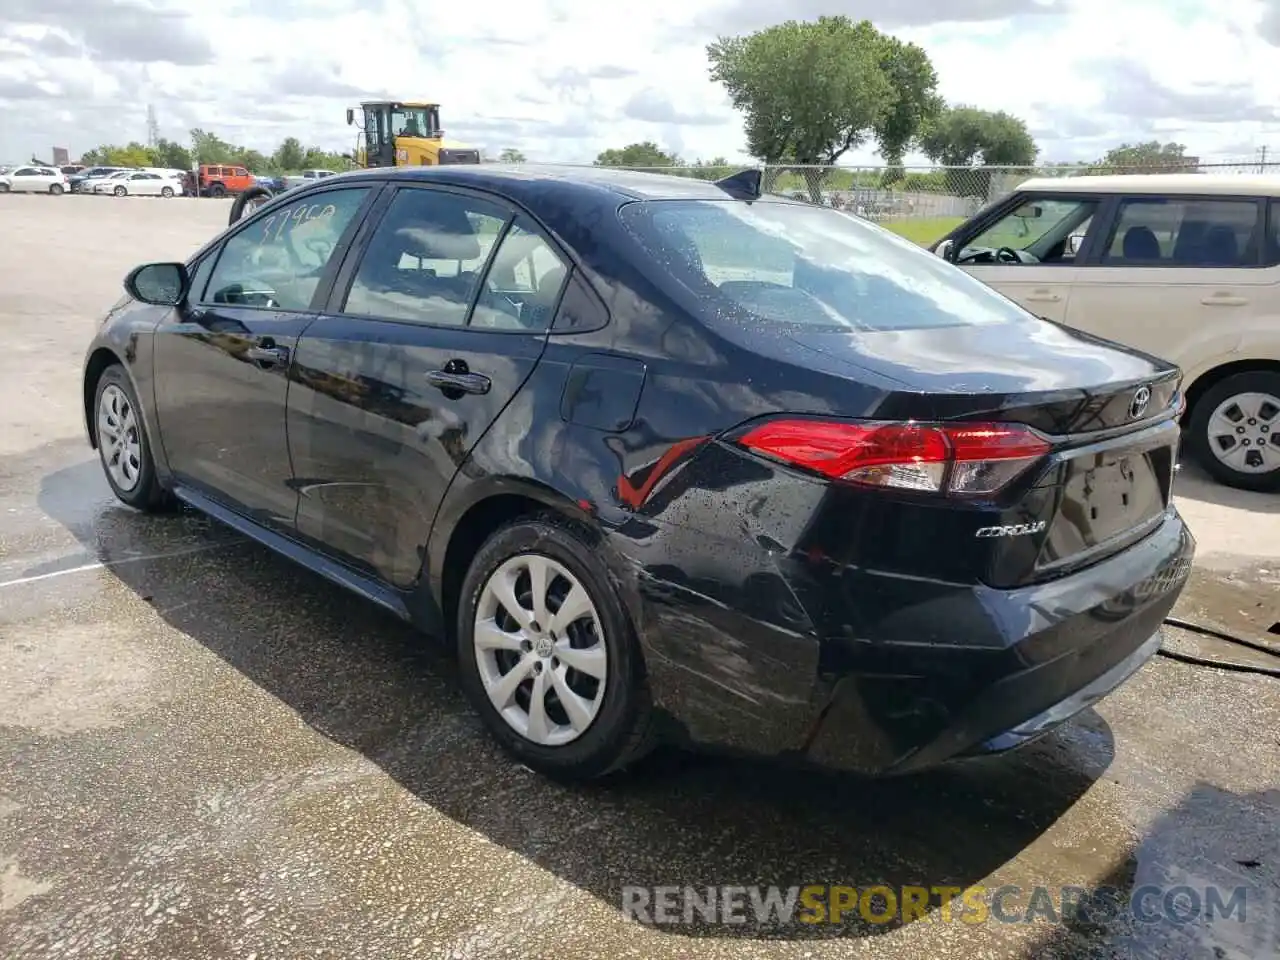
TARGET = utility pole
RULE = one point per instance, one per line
(153, 127)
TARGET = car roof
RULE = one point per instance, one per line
(519, 178)
(1236, 184)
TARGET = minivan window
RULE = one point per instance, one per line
(804, 266)
(1191, 232)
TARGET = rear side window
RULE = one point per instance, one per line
(794, 265)
(1191, 232)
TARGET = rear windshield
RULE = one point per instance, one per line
(801, 266)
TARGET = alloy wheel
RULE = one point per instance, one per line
(540, 649)
(1244, 432)
(118, 441)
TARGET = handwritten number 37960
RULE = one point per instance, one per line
(276, 224)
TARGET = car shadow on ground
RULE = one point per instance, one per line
(368, 682)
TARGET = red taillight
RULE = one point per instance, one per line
(963, 458)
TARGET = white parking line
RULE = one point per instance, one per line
(107, 564)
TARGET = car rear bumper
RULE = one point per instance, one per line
(1048, 651)
(912, 674)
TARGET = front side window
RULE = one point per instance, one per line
(425, 259)
(277, 260)
(805, 267)
(1158, 231)
(523, 284)
(1039, 230)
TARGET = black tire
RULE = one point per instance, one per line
(4, 188)
(247, 203)
(217, 190)
(1200, 443)
(166, 192)
(120, 191)
(623, 729)
(55, 189)
(147, 494)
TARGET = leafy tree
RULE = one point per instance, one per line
(714, 169)
(916, 101)
(646, 154)
(966, 136)
(167, 153)
(511, 155)
(289, 155)
(810, 91)
(1150, 157)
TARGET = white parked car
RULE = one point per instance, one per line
(1182, 266)
(305, 177)
(138, 183)
(32, 178)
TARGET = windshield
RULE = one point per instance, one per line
(415, 121)
(809, 267)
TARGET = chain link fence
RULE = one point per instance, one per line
(924, 203)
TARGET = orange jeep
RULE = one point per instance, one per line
(221, 180)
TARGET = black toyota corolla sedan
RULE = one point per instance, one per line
(664, 458)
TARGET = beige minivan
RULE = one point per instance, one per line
(1184, 266)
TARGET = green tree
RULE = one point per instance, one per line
(915, 100)
(1150, 157)
(289, 156)
(511, 155)
(810, 91)
(646, 154)
(210, 148)
(167, 153)
(966, 136)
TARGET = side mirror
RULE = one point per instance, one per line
(1075, 241)
(944, 249)
(160, 284)
(351, 116)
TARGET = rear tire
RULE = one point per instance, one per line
(124, 449)
(120, 191)
(166, 192)
(1234, 431)
(55, 189)
(217, 191)
(609, 723)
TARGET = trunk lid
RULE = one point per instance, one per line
(1109, 411)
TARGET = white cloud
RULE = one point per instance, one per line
(564, 79)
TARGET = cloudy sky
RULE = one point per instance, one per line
(564, 79)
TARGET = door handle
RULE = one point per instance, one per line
(1224, 300)
(450, 382)
(1043, 296)
(267, 355)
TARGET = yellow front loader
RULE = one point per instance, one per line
(408, 134)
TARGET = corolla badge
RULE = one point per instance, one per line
(1012, 529)
(1138, 405)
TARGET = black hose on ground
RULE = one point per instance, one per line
(1273, 672)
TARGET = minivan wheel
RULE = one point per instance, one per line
(547, 653)
(1235, 430)
(124, 449)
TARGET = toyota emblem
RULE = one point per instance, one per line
(1138, 405)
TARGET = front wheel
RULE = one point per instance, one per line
(55, 189)
(166, 192)
(548, 655)
(124, 449)
(120, 191)
(1235, 430)
(4, 188)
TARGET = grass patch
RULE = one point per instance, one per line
(923, 230)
